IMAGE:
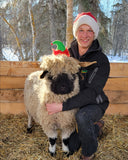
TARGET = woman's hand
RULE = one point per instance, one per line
(54, 107)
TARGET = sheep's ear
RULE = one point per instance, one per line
(86, 64)
(43, 74)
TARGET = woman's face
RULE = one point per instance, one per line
(85, 37)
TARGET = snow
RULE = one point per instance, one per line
(117, 59)
(10, 56)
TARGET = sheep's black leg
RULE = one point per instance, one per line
(65, 143)
(30, 126)
(29, 130)
(52, 146)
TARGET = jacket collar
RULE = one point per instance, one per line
(93, 48)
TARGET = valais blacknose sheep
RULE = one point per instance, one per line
(55, 83)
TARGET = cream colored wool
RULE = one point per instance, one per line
(37, 93)
(60, 64)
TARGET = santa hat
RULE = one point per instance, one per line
(86, 18)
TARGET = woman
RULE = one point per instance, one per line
(91, 101)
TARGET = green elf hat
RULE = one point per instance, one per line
(60, 48)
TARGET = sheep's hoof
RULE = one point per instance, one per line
(52, 154)
(29, 130)
(68, 153)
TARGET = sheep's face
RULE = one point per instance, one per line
(62, 83)
(60, 73)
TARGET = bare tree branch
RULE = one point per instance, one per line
(14, 32)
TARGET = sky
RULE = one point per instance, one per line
(106, 6)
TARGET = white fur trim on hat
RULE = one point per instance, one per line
(86, 19)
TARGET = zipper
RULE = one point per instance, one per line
(92, 75)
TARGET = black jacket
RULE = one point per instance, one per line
(95, 77)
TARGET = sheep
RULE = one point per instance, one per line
(57, 81)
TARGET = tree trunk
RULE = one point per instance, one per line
(69, 34)
(33, 30)
(51, 21)
(1, 56)
(17, 39)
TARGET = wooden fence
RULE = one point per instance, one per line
(13, 75)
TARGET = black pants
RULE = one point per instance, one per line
(88, 132)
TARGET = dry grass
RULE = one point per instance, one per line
(17, 144)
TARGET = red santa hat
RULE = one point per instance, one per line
(86, 18)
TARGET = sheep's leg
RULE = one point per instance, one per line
(52, 146)
(65, 145)
(29, 129)
(52, 136)
(65, 141)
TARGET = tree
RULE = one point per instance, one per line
(120, 28)
(36, 24)
(51, 20)
(16, 37)
(30, 26)
(33, 30)
(69, 35)
(1, 56)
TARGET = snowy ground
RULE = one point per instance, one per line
(10, 56)
(118, 59)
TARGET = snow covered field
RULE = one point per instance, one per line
(10, 56)
(116, 59)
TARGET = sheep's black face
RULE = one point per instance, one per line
(62, 84)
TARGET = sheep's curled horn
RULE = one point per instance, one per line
(85, 64)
